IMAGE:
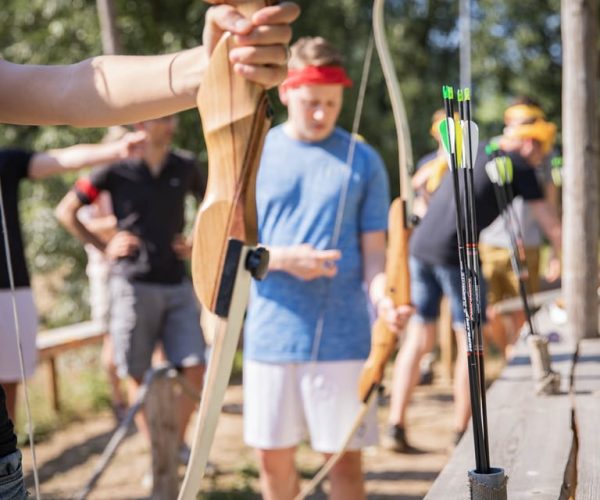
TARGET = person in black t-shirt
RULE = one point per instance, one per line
(152, 300)
(434, 268)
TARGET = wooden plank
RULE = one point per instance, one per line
(586, 388)
(520, 424)
(50, 343)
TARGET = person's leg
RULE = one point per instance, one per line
(346, 477)
(183, 343)
(331, 406)
(278, 477)
(418, 340)
(10, 366)
(135, 314)
(462, 401)
(273, 425)
(194, 376)
(10, 389)
(107, 358)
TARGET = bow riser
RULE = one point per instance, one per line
(235, 125)
(397, 287)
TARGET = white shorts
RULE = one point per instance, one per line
(284, 402)
(10, 370)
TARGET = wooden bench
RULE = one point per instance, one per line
(547, 445)
(52, 343)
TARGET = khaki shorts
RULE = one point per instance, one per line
(501, 280)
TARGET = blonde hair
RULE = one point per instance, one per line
(314, 51)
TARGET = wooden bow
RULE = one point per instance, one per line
(235, 116)
(397, 286)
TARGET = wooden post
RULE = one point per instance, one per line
(108, 29)
(580, 186)
(162, 413)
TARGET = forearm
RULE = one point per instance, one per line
(66, 213)
(550, 224)
(280, 259)
(72, 158)
(99, 91)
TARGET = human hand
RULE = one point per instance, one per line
(552, 270)
(305, 262)
(261, 41)
(182, 247)
(131, 145)
(122, 244)
(396, 318)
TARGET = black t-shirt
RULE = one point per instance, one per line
(14, 167)
(149, 207)
(434, 240)
(8, 440)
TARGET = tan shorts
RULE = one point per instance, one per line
(10, 370)
(501, 280)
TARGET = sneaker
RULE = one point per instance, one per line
(184, 454)
(458, 436)
(395, 440)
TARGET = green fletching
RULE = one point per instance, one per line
(557, 162)
(509, 169)
(445, 135)
(501, 170)
(467, 94)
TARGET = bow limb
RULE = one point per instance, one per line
(397, 283)
(235, 116)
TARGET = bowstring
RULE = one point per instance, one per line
(17, 323)
(337, 229)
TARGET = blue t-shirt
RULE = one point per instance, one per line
(298, 191)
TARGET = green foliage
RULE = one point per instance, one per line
(516, 50)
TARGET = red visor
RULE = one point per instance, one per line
(317, 75)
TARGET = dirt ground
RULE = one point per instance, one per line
(66, 460)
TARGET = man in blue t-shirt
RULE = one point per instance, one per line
(322, 205)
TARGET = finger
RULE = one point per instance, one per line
(282, 13)
(227, 18)
(266, 35)
(262, 75)
(275, 55)
(329, 255)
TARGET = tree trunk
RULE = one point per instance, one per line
(110, 39)
(580, 143)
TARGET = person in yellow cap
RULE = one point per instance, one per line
(435, 271)
(527, 132)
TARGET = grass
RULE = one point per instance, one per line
(83, 390)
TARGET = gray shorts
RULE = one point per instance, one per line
(142, 314)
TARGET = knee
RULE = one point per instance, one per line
(349, 468)
(276, 463)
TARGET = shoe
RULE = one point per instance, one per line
(184, 454)
(395, 440)
(426, 378)
(458, 436)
